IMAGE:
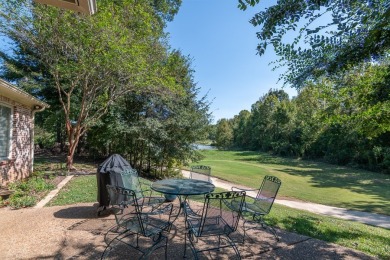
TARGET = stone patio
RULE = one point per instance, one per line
(76, 232)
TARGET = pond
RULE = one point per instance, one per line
(204, 147)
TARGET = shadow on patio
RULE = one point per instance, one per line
(259, 244)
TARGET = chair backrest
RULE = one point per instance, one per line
(267, 193)
(217, 218)
(125, 201)
(200, 172)
(130, 180)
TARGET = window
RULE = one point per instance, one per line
(5, 131)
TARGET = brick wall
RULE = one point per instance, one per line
(19, 166)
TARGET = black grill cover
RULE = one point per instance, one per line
(109, 173)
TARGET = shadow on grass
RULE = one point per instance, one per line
(323, 175)
(374, 184)
(310, 226)
(264, 158)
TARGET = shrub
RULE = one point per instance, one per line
(22, 201)
(44, 138)
(3, 203)
(27, 192)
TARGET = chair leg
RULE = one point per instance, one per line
(234, 247)
(185, 245)
(156, 246)
(273, 231)
(115, 231)
(192, 246)
(243, 228)
(259, 220)
(108, 248)
(166, 248)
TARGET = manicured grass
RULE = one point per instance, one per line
(83, 189)
(368, 239)
(79, 189)
(305, 180)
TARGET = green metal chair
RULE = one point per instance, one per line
(197, 172)
(215, 223)
(134, 222)
(261, 204)
(200, 172)
(130, 179)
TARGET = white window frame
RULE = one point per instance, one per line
(10, 132)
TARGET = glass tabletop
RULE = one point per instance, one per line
(183, 187)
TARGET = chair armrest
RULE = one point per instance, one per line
(188, 211)
(240, 189)
(146, 188)
(246, 195)
(158, 210)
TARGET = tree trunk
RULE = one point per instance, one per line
(74, 133)
(69, 157)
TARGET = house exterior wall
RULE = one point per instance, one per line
(19, 165)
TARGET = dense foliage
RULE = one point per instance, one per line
(28, 192)
(155, 131)
(345, 120)
(87, 61)
(105, 76)
(337, 54)
(315, 38)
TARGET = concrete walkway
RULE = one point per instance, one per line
(359, 216)
(51, 194)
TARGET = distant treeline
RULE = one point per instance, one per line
(343, 120)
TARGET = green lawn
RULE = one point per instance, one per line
(368, 239)
(305, 180)
(78, 190)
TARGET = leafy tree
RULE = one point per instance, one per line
(224, 135)
(308, 120)
(331, 35)
(362, 108)
(264, 120)
(212, 133)
(156, 130)
(89, 61)
(241, 136)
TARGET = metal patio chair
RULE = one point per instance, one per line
(130, 179)
(197, 172)
(200, 172)
(261, 204)
(134, 223)
(215, 223)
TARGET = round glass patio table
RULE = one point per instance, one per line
(183, 187)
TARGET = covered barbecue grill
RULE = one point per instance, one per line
(109, 172)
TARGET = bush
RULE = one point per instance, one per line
(27, 192)
(3, 203)
(43, 138)
(22, 201)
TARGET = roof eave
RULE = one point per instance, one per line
(14, 93)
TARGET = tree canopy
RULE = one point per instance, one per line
(347, 124)
(88, 61)
(330, 35)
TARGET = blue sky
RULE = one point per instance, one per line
(222, 43)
